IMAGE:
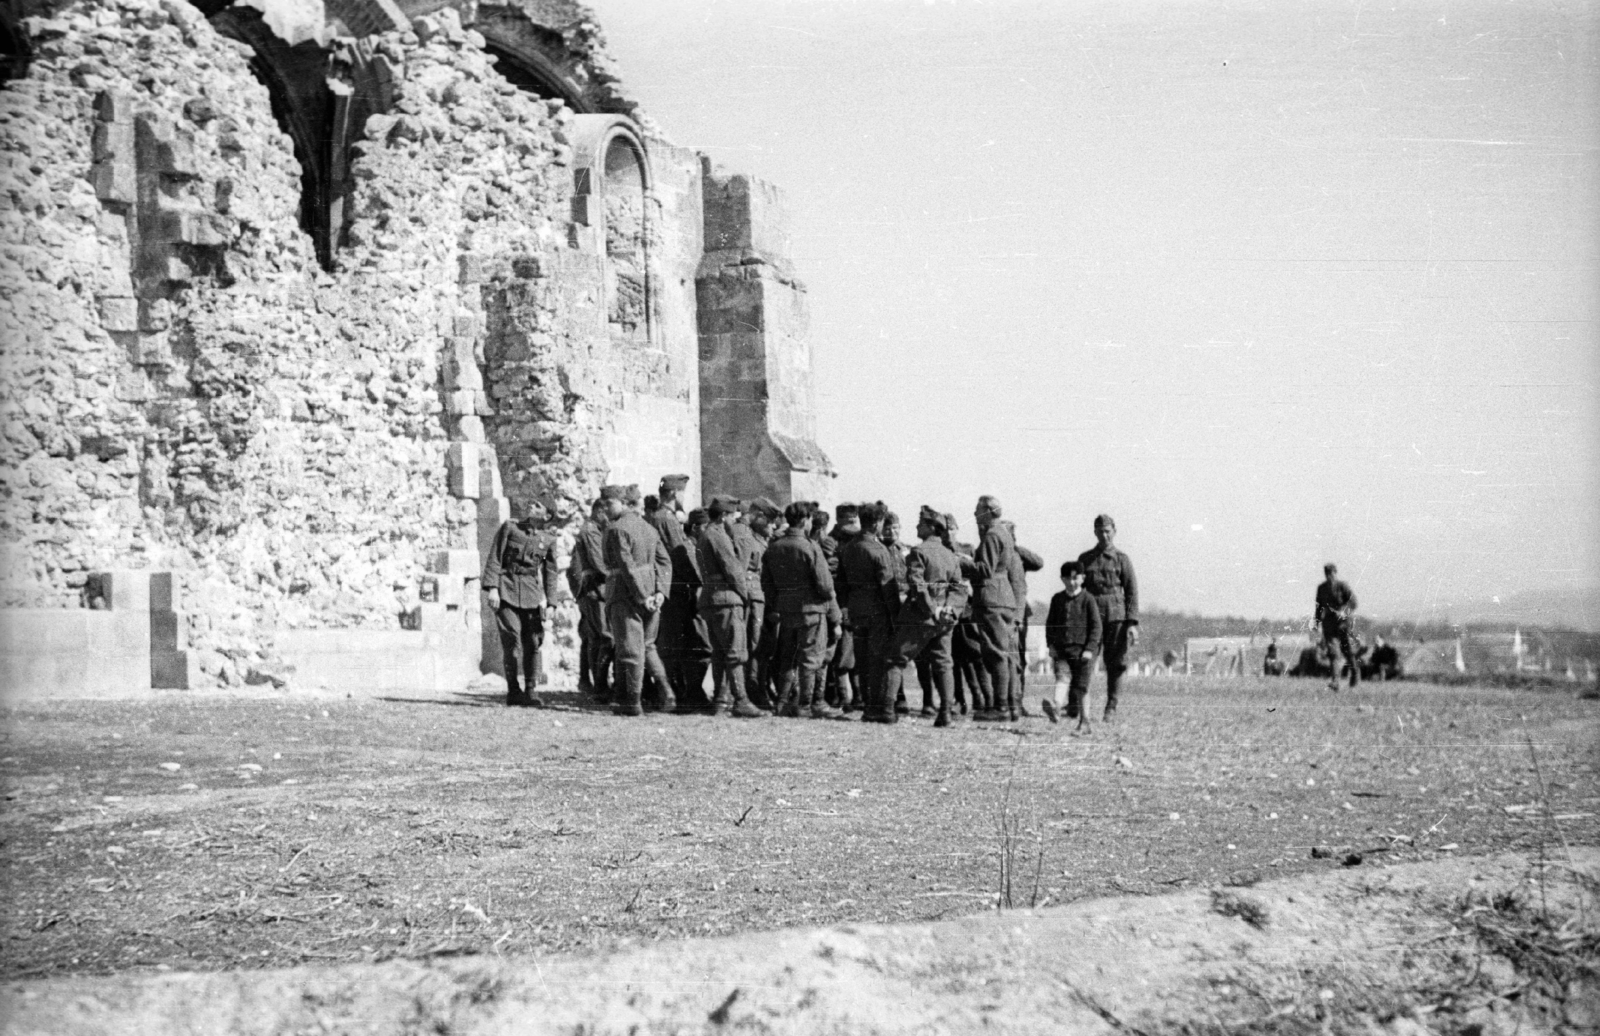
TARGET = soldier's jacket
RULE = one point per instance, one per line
(1108, 574)
(1334, 602)
(724, 568)
(586, 573)
(637, 562)
(933, 576)
(665, 522)
(754, 546)
(990, 571)
(521, 565)
(963, 553)
(866, 582)
(794, 575)
(833, 541)
(1021, 563)
(686, 573)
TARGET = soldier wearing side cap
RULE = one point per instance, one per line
(519, 576)
(639, 574)
(889, 536)
(586, 578)
(937, 593)
(694, 657)
(661, 511)
(724, 601)
(1108, 575)
(759, 516)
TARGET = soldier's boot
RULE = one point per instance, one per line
(812, 702)
(743, 707)
(693, 699)
(1113, 686)
(585, 653)
(721, 700)
(668, 702)
(756, 688)
(603, 671)
(898, 699)
(627, 702)
(788, 695)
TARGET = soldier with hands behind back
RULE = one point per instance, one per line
(639, 574)
(519, 576)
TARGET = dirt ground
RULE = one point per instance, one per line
(210, 832)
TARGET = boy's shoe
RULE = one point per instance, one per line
(942, 720)
(1049, 708)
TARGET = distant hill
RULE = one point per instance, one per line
(1574, 608)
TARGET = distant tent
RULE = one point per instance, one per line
(1461, 663)
(1432, 659)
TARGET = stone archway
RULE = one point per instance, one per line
(611, 210)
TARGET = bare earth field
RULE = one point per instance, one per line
(209, 832)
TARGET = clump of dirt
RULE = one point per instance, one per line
(1489, 946)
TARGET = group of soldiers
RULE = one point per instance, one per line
(791, 617)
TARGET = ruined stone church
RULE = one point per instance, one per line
(300, 295)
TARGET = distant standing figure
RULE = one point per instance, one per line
(1072, 631)
(1108, 575)
(1273, 665)
(1336, 602)
(520, 577)
(638, 578)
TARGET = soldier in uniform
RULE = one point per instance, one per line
(1336, 602)
(661, 513)
(1026, 561)
(972, 685)
(799, 591)
(724, 600)
(995, 609)
(759, 515)
(586, 578)
(889, 536)
(694, 655)
(520, 577)
(1108, 575)
(872, 604)
(639, 573)
(844, 687)
(929, 614)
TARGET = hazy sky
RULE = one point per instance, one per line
(1272, 283)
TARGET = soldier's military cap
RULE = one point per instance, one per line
(846, 513)
(614, 493)
(929, 515)
(761, 505)
(674, 482)
(950, 523)
(726, 503)
(1104, 520)
(631, 494)
(534, 509)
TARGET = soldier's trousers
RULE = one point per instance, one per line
(1116, 658)
(922, 642)
(521, 637)
(871, 636)
(800, 654)
(633, 634)
(969, 663)
(594, 638)
(996, 635)
(1339, 633)
(730, 650)
(755, 620)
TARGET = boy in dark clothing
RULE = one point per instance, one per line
(1072, 631)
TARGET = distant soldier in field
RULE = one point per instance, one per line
(995, 608)
(1273, 664)
(1108, 575)
(936, 594)
(871, 597)
(1383, 663)
(586, 578)
(639, 574)
(799, 590)
(971, 681)
(1336, 603)
(724, 602)
(520, 577)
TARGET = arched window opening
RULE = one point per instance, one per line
(627, 265)
(536, 75)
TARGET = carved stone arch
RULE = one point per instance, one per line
(536, 54)
(611, 191)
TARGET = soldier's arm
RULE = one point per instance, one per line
(1097, 626)
(917, 579)
(1350, 605)
(989, 560)
(888, 586)
(492, 563)
(663, 567)
(732, 564)
(627, 572)
(1031, 562)
(821, 578)
(1130, 592)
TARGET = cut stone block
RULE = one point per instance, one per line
(464, 466)
(164, 592)
(174, 670)
(461, 564)
(119, 313)
(124, 589)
